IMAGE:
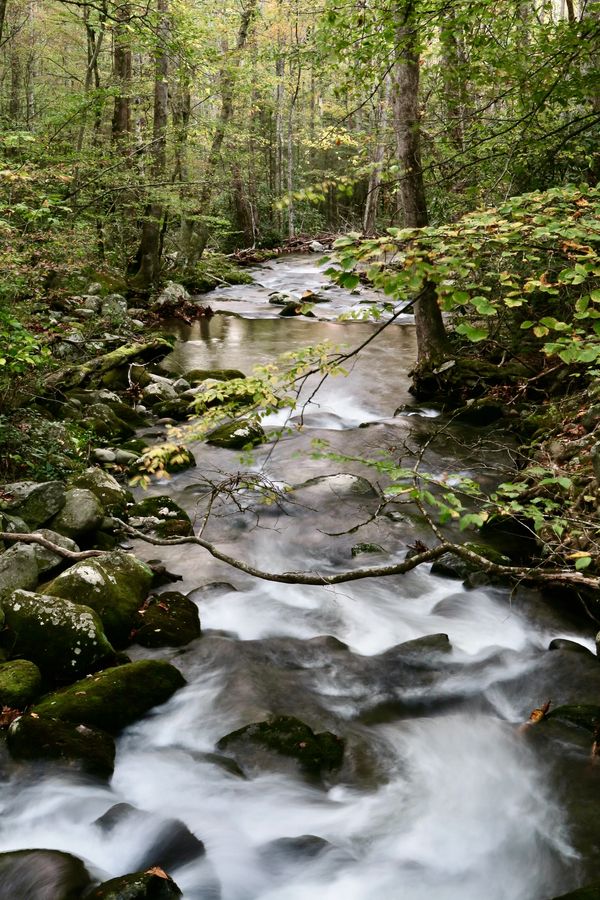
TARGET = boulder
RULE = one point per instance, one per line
(106, 423)
(171, 845)
(81, 514)
(20, 683)
(114, 698)
(47, 560)
(18, 569)
(342, 485)
(34, 502)
(112, 496)
(195, 376)
(42, 875)
(296, 308)
(159, 392)
(171, 295)
(316, 247)
(581, 715)
(167, 620)
(114, 306)
(154, 884)
(237, 435)
(591, 892)
(480, 412)
(255, 746)
(113, 585)
(95, 289)
(66, 640)
(359, 549)
(160, 516)
(33, 737)
(280, 298)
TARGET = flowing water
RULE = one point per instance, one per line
(441, 795)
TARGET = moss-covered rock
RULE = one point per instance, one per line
(66, 640)
(34, 502)
(106, 423)
(18, 569)
(81, 514)
(46, 559)
(237, 435)
(112, 495)
(196, 376)
(480, 412)
(160, 516)
(151, 885)
(42, 875)
(167, 620)
(359, 549)
(39, 738)
(451, 566)
(114, 698)
(286, 736)
(113, 585)
(20, 683)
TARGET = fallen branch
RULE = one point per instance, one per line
(73, 376)
(33, 538)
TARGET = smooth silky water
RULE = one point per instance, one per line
(444, 797)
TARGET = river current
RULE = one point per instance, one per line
(442, 795)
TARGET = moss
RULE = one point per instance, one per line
(237, 435)
(39, 738)
(196, 376)
(20, 683)
(583, 715)
(213, 271)
(163, 517)
(168, 620)
(138, 886)
(114, 698)
(113, 496)
(359, 549)
(288, 736)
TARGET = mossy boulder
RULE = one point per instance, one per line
(196, 376)
(18, 569)
(160, 516)
(33, 737)
(42, 875)
(113, 585)
(112, 496)
(582, 715)
(315, 754)
(360, 549)
(66, 640)
(46, 559)
(154, 884)
(34, 502)
(81, 514)
(480, 412)
(20, 683)
(167, 620)
(114, 698)
(237, 435)
(451, 566)
(106, 423)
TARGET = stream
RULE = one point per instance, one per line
(440, 795)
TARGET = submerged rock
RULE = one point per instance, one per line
(167, 620)
(20, 683)
(172, 843)
(34, 502)
(42, 875)
(113, 585)
(154, 884)
(359, 549)
(66, 640)
(34, 737)
(114, 698)
(237, 435)
(341, 485)
(254, 745)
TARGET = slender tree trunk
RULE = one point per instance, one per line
(148, 257)
(3, 5)
(431, 334)
(121, 123)
(374, 187)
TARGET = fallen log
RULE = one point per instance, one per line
(75, 376)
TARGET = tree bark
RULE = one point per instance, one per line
(374, 187)
(431, 334)
(121, 123)
(3, 5)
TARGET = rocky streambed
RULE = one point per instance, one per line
(174, 726)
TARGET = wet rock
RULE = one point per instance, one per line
(113, 585)
(208, 591)
(569, 679)
(160, 516)
(112, 496)
(451, 566)
(42, 875)
(296, 308)
(106, 423)
(81, 514)
(196, 376)
(34, 737)
(114, 698)
(255, 746)
(591, 892)
(66, 640)
(20, 683)
(103, 455)
(359, 549)
(341, 485)
(47, 560)
(316, 247)
(480, 412)
(177, 410)
(33, 502)
(280, 298)
(159, 392)
(18, 569)
(152, 885)
(583, 716)
(237, 435)
(304, 847)
(564, 644)
(167, 620)
(171, 845)
(430, 643)
(171, 295)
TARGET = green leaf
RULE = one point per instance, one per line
(583, 562)
(472, 333)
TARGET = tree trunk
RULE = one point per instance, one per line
(431, 334)
(121, 123)
(374, 188)
(148, 256)
(3, 5)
